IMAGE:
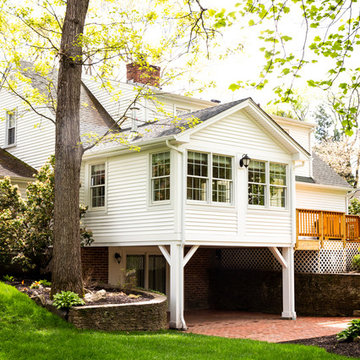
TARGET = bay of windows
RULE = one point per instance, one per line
(267, 184)
(209, 174)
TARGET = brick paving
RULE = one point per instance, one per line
(258, 326)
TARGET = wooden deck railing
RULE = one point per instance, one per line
(326, 225)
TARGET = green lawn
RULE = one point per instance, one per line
(28, 331)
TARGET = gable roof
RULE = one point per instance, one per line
(11, 166)
(194, 121)
(323, 174)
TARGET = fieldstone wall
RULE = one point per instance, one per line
(315, 294)
(146, 315)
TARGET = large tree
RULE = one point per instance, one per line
(60, 38)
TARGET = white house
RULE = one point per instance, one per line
(229, 184)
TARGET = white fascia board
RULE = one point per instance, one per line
(323, 186)
(282, 135)
(280, 132)
(121, 149)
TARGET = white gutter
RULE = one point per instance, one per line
(182, 219)
(124, 148)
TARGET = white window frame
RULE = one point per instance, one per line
(209, 180)
(89, 194)
(7, 128)
(151, 188)
(268, 185)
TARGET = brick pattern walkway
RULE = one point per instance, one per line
(258, 326)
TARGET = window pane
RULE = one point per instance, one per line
(277, 174)
(157, 273)
(11, 136)
(277, 196)
(161, 164)
(98, 196)
(197, 164)
(256, 172)
(256, 194)
(196, 188)
(98, 174)
(222, 167)
(221, 191)
(135, 266)
(11, 119)
(161, 189)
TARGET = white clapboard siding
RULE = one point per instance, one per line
(35, 136)
(235, 135)
(301, 135)
(241, 133)
(304, 170)
(268, 225)
(128, 214)
(315, 198)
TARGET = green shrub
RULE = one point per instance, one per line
(8, 278)
(67, 299)
(351, 333)
(356, 262)
(36, 284)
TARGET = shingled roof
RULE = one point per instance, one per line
(323, 174)
(14, 167)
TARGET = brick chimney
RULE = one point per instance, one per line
(143, 74)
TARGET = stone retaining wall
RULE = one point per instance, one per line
(315, 294)
(145, 315)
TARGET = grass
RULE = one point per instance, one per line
(28, 331)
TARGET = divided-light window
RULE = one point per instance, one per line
(160, 176)
(267, 184)
(97, 186)
(11, 127)
(201, 181)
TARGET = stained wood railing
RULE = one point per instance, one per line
(326, 225)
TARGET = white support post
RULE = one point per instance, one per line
(176, 286)
(165, 253)
(189, 255)
(288, 284)
(275, 251)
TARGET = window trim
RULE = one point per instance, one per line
(267, 184)
(151, 202)
(88, 197)
(210, 178)
(7, 128)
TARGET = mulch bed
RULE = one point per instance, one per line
(113, 295)
(330, 344)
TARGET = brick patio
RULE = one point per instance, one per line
(258, 326)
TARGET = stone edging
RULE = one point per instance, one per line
(138, 316)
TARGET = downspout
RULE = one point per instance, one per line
(182, 219)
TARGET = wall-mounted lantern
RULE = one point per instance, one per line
(244, 161)
(117, 257)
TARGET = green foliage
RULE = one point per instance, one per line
(26, 225)
(67, 299)
(30, 332)
(354, 207)
(355, 262)
(8, 278)
(37, 284)
(351, 332)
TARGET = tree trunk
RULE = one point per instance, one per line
(66, 271)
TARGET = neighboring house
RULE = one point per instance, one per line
(19, 172)
(188, 200)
